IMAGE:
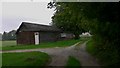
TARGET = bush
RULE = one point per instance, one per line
(106, 56)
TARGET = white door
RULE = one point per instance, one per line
(36, 38)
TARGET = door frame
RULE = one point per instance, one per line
(36, 38)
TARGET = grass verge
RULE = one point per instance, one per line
(25, 59)
(43, 45)
(7, 45)
(73, 63)
(91, 47)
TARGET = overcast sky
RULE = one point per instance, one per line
(13, 13)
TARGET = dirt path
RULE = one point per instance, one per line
(84, 57)
(60, 55)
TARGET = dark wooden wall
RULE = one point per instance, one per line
(49, 36)
(44, 36)
(25, 38)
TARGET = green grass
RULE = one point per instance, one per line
(25, 59)
(11, 45)
(8, 43)
(91, 47)
(43, 45)
(73, 63)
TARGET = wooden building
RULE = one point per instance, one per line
(29, 33)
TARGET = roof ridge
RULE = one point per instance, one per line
(36, 24)
(26, 26)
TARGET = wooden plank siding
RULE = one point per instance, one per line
(49, 36)
(25, 38)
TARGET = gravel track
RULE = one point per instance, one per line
(60, 54)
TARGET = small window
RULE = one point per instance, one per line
(63, 34)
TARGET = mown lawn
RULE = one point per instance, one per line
(8, 43)
(73, 63)
(11, 45)
(42, 45)
(25, 59)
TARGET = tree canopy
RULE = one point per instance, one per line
(101, 19)
(67, 19)
(9, 35)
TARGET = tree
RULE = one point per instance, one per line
(104, 25)
(67, 19)
(4, 36)
(0, 36)
(9, 36)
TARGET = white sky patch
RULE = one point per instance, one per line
(87, 0)
(26, 0)
(13, 13)
(0, 16)
(61, 0)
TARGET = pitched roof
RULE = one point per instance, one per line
(25, 26)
